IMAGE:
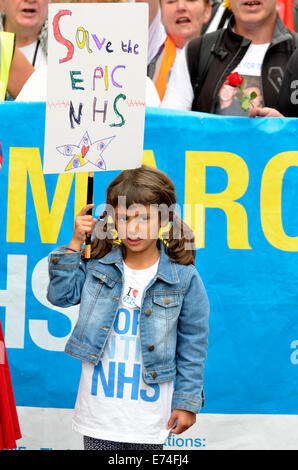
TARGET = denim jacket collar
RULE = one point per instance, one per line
(166, 269)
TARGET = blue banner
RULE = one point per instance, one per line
(236, 181)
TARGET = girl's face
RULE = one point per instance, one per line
(138, 227)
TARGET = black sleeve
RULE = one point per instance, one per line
(287, 102)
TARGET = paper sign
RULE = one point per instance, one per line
(96, 87)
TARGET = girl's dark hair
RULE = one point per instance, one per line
(146, 186)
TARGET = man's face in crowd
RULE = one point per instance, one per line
(183, 19)
(253, 12)
(25, 14)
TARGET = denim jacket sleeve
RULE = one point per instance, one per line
(67, 276)
(192, 341)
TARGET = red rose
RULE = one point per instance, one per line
(234, 79)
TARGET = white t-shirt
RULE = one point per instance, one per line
(250, 69)
(157, 36)
(216, 19)
(179, 93)
(113, 402)
(152, 97)
(35, 88)
(29, 52)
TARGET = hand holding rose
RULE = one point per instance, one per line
(235, 80)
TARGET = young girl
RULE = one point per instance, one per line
(143, 323)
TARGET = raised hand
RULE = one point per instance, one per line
(84, 225)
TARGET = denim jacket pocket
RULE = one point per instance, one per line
(166, 306)
(97, 283)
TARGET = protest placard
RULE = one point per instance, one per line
(96, 87)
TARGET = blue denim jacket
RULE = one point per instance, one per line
(173, 320)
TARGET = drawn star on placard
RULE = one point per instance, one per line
(86, 152)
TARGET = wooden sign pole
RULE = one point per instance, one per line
(89, 201)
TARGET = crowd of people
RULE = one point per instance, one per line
(193, 45)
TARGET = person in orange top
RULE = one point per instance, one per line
(172, 23)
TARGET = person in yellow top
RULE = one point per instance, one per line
(14, 67)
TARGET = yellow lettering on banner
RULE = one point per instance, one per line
(195, 194)
(148, 158)
(271, 207)
(23, 160)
